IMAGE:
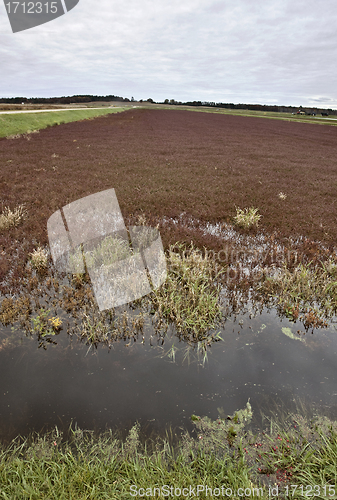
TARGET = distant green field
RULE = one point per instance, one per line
(258, 114)
(246, 112)
(21, 123)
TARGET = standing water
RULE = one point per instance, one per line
(261, 358)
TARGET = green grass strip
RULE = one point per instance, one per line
(298, 455)
(22, 123)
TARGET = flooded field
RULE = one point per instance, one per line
(205, 343)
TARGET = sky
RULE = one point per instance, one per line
(244, 51)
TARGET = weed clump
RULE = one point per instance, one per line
(218, 436)
(39, 259)
(12, 310)
(247, 218)
(109, 251)
(56, 323)
(10, 218)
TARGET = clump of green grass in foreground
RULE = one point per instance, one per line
(12, 218)
(42, 467)
(223, 455)
(247, 218)
(190, 296)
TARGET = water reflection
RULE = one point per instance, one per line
(97, 388)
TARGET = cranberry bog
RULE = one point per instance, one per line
(246, 312)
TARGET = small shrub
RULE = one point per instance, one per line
(10, 218)
(282, 196)
(247, 217)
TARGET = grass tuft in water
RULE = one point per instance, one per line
(190, 296)
(307, 293)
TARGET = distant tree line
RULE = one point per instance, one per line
(77, 99)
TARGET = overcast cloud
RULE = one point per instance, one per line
(263, 51)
